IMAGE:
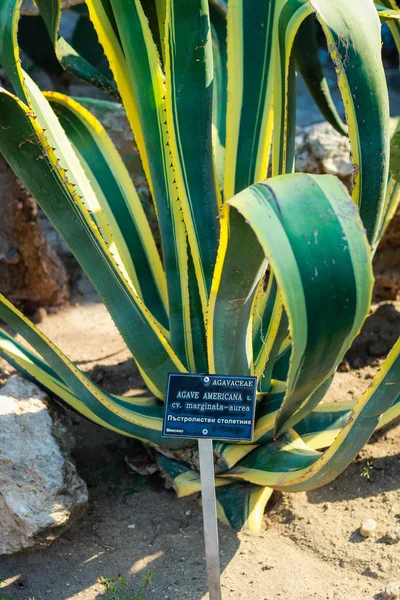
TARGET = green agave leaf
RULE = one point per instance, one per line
(391, 205)
(68, 57)
(353, 34)
(230, 454)
(184, 480)
(241, 505)
(290, 14)
(291, 465)
(197, 321)
(75, 64)
(271, 344)
(155, 11)
(135, 63)
(389, 11)
(264, 302)
(280, 369)
(270, 327)
(261, 89)
(239, 268)
(25, 147)
(250, 93)
(39, 371)
(392, 199)
(60, 377)
(119, 203)
(320, 427)
(291, 119)
(317, 427)
(161, 8)
(387, 14)
(9, 52)
(276, 333)
(220, 96)
(354, 43)
(310, 232)
(112, 116)
(189, 74)
(50, 11)
(306, 52)
(272, 404)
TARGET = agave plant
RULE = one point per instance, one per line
(261, 271)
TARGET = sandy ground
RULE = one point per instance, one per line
(309, 548)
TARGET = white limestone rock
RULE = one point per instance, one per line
(41, 492)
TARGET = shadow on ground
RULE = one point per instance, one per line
(364, 478)
(377, 337)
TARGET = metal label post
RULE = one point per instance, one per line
(207, 407)
(210, 518)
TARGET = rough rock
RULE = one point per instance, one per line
(392, 535)
(41, 492)
(321, 149)
(368, 528)
(31, 273)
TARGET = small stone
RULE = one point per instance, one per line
(391, 591)
(368, 572)
(188, 513)
(392, 535)
(368, 528)
(132, 526)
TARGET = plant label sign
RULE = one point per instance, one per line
(207, 407)
(219, 407)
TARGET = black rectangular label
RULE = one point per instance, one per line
(220, 407)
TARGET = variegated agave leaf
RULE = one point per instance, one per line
(268, 276)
